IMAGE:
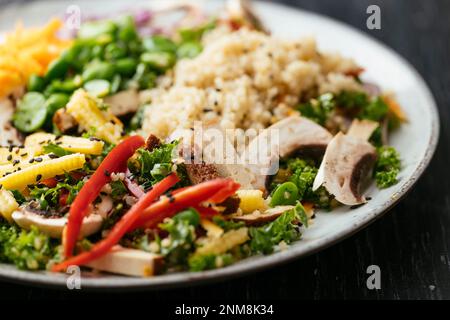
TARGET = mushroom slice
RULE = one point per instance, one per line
(258, 218)
(130, 262)
(362, 129)
(291, 135)
(26, 218)
(347, 162)
(123, 102)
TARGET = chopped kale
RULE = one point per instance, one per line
(227, 225)
(284, 228)
(30, 250)
(180, 242)
(210, 261)
(387, 167)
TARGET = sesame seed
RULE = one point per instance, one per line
(9, 158)
(38, 159)
(38, 177)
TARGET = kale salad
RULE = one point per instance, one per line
(93, 174)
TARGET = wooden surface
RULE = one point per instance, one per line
(411, 243)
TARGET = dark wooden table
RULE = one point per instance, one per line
(411, 243)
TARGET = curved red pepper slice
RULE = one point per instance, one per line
(121, 227)
(113, 162)
(189, 197)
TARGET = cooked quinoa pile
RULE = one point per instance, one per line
(244, 79)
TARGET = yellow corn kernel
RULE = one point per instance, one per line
(102, 124)
(73, 144)
(14, 167)
(251, 200)
(7, 204)
(8, 155)
(226, 242)
(42, 170)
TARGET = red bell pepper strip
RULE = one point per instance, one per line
(121, 227)
(114, 161)
(189, 197)
(206, 212)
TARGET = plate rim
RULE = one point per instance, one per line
(258, 263)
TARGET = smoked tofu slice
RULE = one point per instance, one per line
(129, 262)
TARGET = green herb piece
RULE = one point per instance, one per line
(387, 167)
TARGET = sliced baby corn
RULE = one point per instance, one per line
(251, 200)
(9, 168)
(13, 154)
(102, 124)
(8, 204)
(69, 143)
(42, 170)
(224, 243)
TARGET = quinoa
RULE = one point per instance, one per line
(244, 79)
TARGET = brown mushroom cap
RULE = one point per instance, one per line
(347, 163)
(295, 135)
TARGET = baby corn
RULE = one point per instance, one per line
(42, 170)
(18, 166)
(73, 144)
(224, 243)
(11, 154)
(102, 124)
(7, 204)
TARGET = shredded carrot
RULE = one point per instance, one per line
(25, 52)
(395, 108)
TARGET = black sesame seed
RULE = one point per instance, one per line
(15, 162)
(9, 158)
(10, 149)
(38, 159)
(31, 160)
(52, 156)
(107, 173)
(24, 154)
(38, 177)
(9, 141)
(94, 139)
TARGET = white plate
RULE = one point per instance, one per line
(416, 140)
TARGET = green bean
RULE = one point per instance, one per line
(98, 88)
(36, 83)
(159, 43)
(57, 69)
(54, 102)
(95, 29)
(31, 112)
(285, 194)
(127, 29)
(116, 83)
(126, 66)
(98, 70)
(189, 50)
(158, 60)
(115, 51)
(56, 86)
